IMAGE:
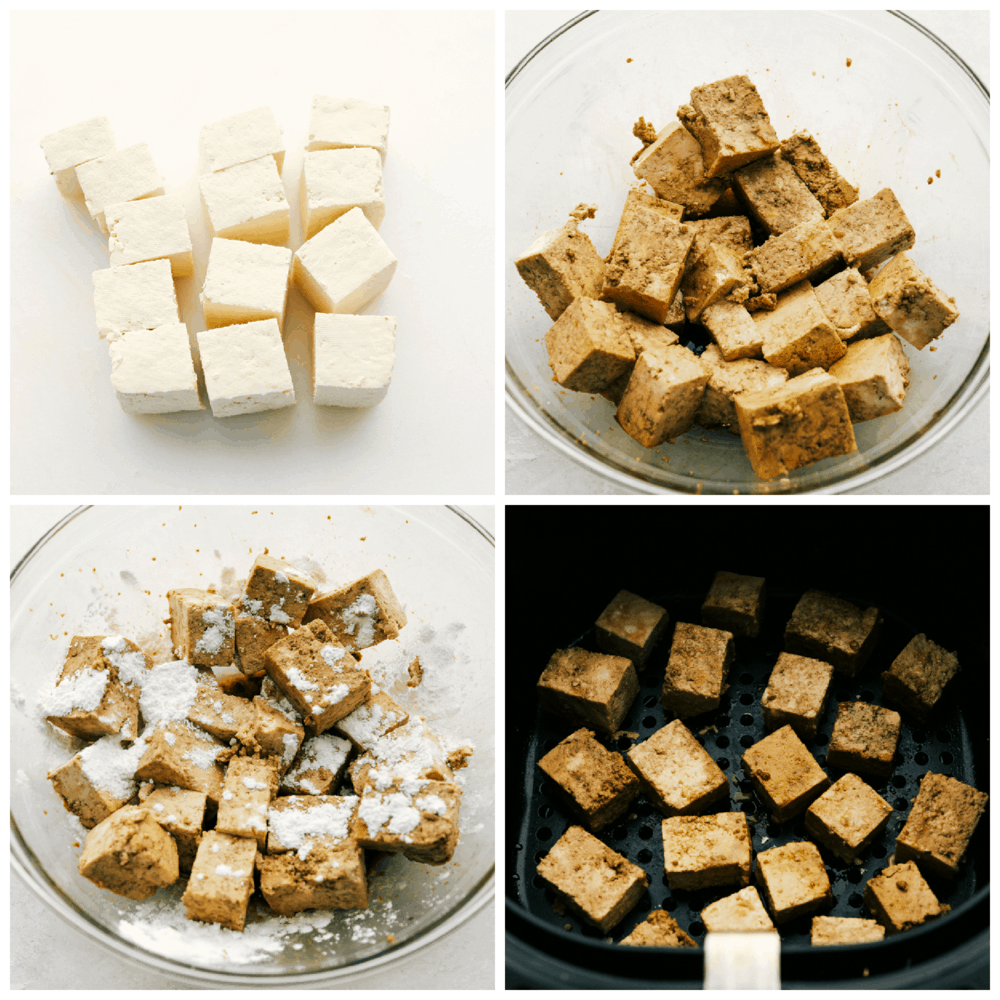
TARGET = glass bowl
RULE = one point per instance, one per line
(905, 108)
(107, 569)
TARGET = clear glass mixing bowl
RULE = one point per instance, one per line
(107, 569)
(905, 108)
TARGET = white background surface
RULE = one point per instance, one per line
(958, 465)
(159, 77)
(461, 960)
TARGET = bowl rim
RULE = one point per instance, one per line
(35, 878)
(540, 422)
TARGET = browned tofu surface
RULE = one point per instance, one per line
(659, 930)
(784, 773)
(864, 738)
(845, 930)
(701, 851)
(834, 630)
(697, 669)
(794, 880)
(734, 603)
(596, 689)
(631, 626)
(847, 817)
(918, 676)
(796, 694)
(899, 898)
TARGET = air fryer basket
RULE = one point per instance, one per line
(921, 578)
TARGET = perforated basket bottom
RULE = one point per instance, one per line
(943, 746)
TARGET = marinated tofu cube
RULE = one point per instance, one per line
(739, 913)
(129, 854)
(795, 424)
(728, 119)
(659, 930)
(96, 781)
(325, 879)
(594, 783)
(776, 197)
(797, 335)
(248, 789)
(319, 768)
(734, 330)
(734, 603)
(150, 229)
(644, 333)
(361, 614)
(847, 817)
(247, 202)
(595, 689)
(298, 822)
(796, 694)
(833, 630)
(804, 251)
(794, 880)
(277, 592)
(701, 851)
(415, 817)
(588, 346)
(369, 722)
(845, 300)
(917, 677)
(202, 627)
(910, 303)
(864, 738)
(900, 899)
(784, 773)
(222, 715)
(254, 637)
(818, 173)
(221, 880)
(412, 751)
(276, 731)
(944, 816)
(631, 626)
(177, 753)
(729, 379)
(676, 771)
(595, 882)
(732, 233)
(844, 930)
(182, 814)
(872, 231)
(874, 376)
(696, 672)
(718, 272)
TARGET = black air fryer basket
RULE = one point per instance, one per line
(925, 568)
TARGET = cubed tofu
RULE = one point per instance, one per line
(910, 303)
(844, 930)
(246, 202)
(353, 358)
(221, 880)
(718, 272)
(588, 347)
(794, 880)
(676, 772)
(645, 333)
(319, 767)
(729, 379)
(277, 731)
(336, 180)
(696, 672)
(833, 630)
(254, 637)
(245, 282)
(847, 817)
(845, 300)
(631, 626)
(702, 851)
(96, 781)
(122, 175)
(66, 149)
(659, 930)
(874, 376)
(864, 738)
(407, 752)
(417, 818)
(596, 689)
(734, 330)
(360, 614)
(202, 627)
(277, 591)
(325, 879)
(776, 197)
(220, 714)
(917, 677)
(150, 229)
(595, 882)
(240, 138)
(249, 786)
(734, 603)
(944, 816)
(784, 774)
(135, 297)
(797, 335)
(338, 122)
(369, 722)
(152, 371)
(804, 251)
(818, 173)
(182, 814)
(739, 913)
(872, 231)
(900, 899)
(796, 694)
(298, 822)
(177, 753)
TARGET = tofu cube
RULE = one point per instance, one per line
(900, 899)
(848, 306)
(729, 379)
(201, 627)
(360, 614)
(246, 793)
(245, 282)
(325, 879)
(910, 303)
(644, 334)
(276, 732)
(784, 774)
(221, 880)
(353, 358)
(873, 230)
(300, 822)
(417, 818)
(796, 694)
(245, 368)
(240, 138)
(369, 722)
(411, 751)
(96, 781)
(595, 882)
(150, 229)
(254, 637)
(631, 626)
(776, 197)
(135, 297)
(182, 814)
(246, 202)
(318, 675)
(734, 330)
(336, 122)
(717, 272)
(798, 423)
(319, 767)
(277, 592)
(818, 173)
(588, 346)
(797, 335)
(804, 251)
(672, 164)
(735, 603)
(794, 880)
(178, 753)
(676, 771)
(702, 851)
(697, 669)
(864, 738)
(129, 854)
(917, 677)
(844, 930)
(594, 783)
(122, 175)
(595, 689)
(659, 930)
(344, 266)
(152, 371)
(847, 817)
(729, 231)
(831, 629)
(66, 149)
(663, 395)
(336, 180)
(221, 715)
(728, 119)
(739, 913)
(944, 816)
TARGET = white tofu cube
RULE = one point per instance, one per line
(344, 266)
(247, 202)
(66, 149)
(134, 297)
(245, 368)
(240, 138)
(152, 371)
(125, 175)
(336, 122)
(336, 180)
(352, 359)
(148, 230)
(245, 282)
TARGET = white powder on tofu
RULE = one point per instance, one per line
(274, 696)
(331, 819)
(335, 694)
(358, 619)
(252, 783)
(226, 870)
(82, 691)
(227, 795)
(169, 691)
(333, 655)
(280, 616)
(368, 723)
(394, 811)
(432, 804)
(130, 664)
(299, 681)
(201, 758)
(280, 577)
(325, 752)
(170, 738)
(290, 747)
(221, 628)
(252, 607)
(110, 768)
